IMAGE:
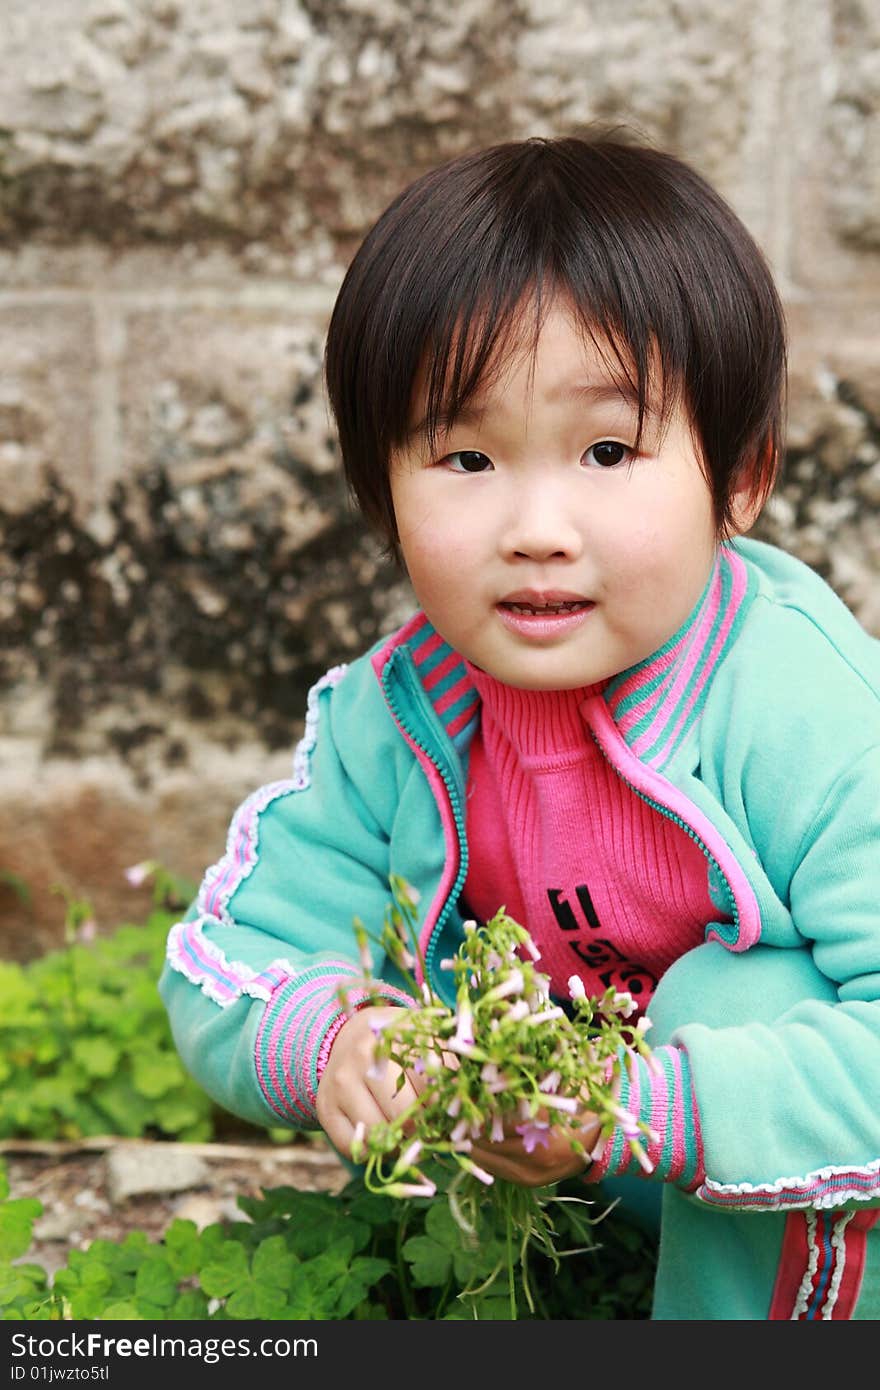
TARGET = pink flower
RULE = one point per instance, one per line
(460, 1131)
(546, 1016)
(497, 1132)
(512, 985)
(478, 1172)
(464, 1025)
(518, 1011)
(409, 1157)
(533, 1133)
(565, 1103)
(426, 1188)
(87, 930)
(137, 874)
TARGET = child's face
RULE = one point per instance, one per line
(539, 546)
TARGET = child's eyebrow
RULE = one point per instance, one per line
(590, 393)
(468, 415)
(605, 393)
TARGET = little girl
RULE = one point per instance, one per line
(557, 369)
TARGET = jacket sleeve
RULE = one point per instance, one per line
(766, 1089)
(789, 1101)
(252, 975)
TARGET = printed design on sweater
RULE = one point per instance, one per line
(610, 965)
(823, 1189)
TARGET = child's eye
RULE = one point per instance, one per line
(468, 461)
(608, 453)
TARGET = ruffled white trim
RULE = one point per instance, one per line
(240, 859)
(805, 1290)
(791, 1187)
(240, 979)
(838, 1244)
(302, 757)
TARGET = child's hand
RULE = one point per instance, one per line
(354, 1087)
(547, 1163)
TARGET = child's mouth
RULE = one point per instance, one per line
(543, 619)
(543, 609)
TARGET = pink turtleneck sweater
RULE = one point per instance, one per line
(610, 888)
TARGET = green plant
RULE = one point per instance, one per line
(85, 1045)
(316, 1256)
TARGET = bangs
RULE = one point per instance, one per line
(459, 272)
(471, 349)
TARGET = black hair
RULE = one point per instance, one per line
(660, 272)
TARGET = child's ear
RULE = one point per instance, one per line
(748, 499)
(745, 507)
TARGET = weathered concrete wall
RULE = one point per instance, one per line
(182, 183)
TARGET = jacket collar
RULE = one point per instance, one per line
(654, 704)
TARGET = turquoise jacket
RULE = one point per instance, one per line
(757, 728)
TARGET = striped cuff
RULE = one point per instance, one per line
(660, 1093)
(299, 1025)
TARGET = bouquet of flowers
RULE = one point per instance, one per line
(504, 1059)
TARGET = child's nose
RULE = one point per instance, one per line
(541, 528)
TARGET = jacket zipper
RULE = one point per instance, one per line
(679, 821)
(455, 802)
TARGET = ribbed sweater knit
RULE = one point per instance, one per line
(610, 889)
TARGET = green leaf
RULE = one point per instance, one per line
(155, 1073)
(190, 1306)
(123, 1311)
(96, 1056)
(155, 1281)
(16, 1226)
(431, 1262)
(183, 1247)
(226, 1272)
(363, 1273)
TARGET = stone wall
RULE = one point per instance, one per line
(182, 183)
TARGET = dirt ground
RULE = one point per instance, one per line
(85, 1199)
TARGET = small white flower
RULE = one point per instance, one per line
(460, 1131)
(547, 1016)
(624, 1003)
(138, 874)
(411, 1189)
(512, 985)
(559, 1103)
(409, 1156)
(478, 1172)
(464, 1025)
(576, 987)
(518, 1011)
